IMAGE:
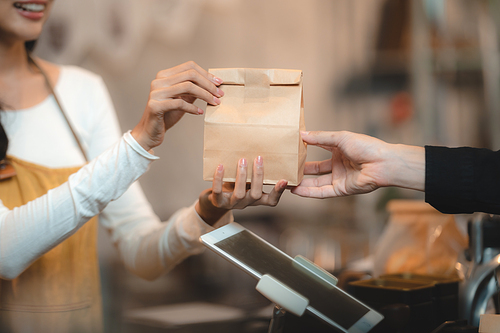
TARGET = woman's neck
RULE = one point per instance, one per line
(13, 60)
(21, 84)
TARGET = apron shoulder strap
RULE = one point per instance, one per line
(49, 84)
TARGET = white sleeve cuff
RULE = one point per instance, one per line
(137, 147)
(182, 233)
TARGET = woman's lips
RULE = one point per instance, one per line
(33, 10)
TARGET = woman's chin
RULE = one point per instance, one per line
(29, 32)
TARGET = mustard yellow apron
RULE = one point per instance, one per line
(59, 292)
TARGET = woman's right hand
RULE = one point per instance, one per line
(172, 94)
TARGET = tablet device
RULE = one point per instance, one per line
(259, 258)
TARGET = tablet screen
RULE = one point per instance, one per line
(265, 259)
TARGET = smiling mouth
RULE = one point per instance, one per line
(30, 7)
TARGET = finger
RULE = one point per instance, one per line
(163, 106)
(274, 196)
(217, 194)
(317, 181)
(190, 75)
(257, 179)
(331, 139)
(186, 88)
(187, 66)
(318, 167)
(241, 180)
(218, 179)
(315, 192)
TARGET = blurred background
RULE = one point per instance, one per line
(406, 71)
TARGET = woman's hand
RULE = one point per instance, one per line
(172, 94)
(215, 202)
(360, 164)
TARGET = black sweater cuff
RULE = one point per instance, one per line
(462, 180)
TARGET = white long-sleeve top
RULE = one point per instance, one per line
(105, 186)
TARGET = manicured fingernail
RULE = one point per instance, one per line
(283, 184)
(216, 100)
(243, 162)
(259, 161)
(217, 80)
(200, 111)
(220, 92)
(304, 133)
(220, 168)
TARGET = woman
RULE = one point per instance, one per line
(48, 263)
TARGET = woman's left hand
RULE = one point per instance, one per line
(222, 197)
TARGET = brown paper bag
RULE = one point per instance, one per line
(261, 113)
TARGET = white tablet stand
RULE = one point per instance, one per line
(287, 298)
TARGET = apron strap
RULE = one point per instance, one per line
(59, 105)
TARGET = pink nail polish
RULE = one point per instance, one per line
(216, 100)
(200, 111)
(220, 92)
(217, 80)
(243, 162)
(220, 168)
(259, 161)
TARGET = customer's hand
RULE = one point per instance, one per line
(172, 94)
(360, 164)
(215, 202)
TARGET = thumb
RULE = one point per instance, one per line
(323, 138)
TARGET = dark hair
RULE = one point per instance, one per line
(30, 45)
(4, 141)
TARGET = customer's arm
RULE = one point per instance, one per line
(360, 164)
(455, 180)
(462, 180)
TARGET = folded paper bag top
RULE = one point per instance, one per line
(261, 114)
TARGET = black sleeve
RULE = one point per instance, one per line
(462, 180)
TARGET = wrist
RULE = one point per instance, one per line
(406, 166)
(207, 211)
(141, 139)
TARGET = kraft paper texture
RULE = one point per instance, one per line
(261, 113)
(489, 323)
